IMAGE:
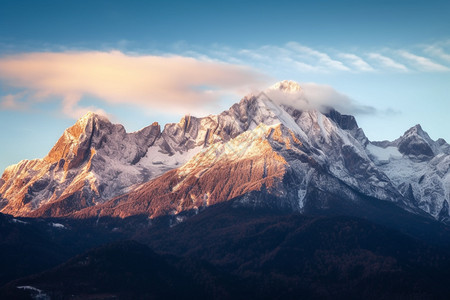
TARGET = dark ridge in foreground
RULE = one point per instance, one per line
(30, 245)
(228, 252)
(126, 270)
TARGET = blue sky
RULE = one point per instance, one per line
(145, 61)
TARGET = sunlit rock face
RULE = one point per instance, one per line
(301, 160)
(91, 162)
(292, 157)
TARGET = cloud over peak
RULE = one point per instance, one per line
(313, 96)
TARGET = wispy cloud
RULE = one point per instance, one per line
(423, 63)
(437, 52)
(387, 62)
(322, 58)
(175, 84)
(294, 57)
(357, 62)
(272, 58)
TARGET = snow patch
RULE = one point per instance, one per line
(322, 127)
(301, 198)
(58, 225)
(383, 155)
(37, 293)
(18, 221)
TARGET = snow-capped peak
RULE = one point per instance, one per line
(416, 142)
(91, 116)
(417, 129)
(88, 115)
(287, 86)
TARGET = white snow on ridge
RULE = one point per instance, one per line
(155, 157)
(322, 127)
(285, 118)
(384, 155)
(403, 170)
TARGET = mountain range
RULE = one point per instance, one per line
(272, 173)
(255, 146)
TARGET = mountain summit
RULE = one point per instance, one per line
(258, 153)
(288, 86)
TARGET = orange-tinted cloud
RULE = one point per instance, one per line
(170, 84)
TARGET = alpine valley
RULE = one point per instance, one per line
(272, 198)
